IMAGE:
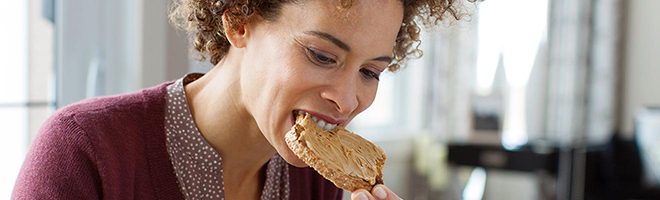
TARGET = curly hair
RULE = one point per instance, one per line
(202, 19)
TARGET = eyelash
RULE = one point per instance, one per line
(320, 59)
(370, 74)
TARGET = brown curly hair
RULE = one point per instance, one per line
(202, 19)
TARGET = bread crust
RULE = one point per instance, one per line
(344, 181)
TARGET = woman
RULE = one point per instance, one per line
(221, 135)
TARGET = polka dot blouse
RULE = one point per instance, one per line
(197, 166)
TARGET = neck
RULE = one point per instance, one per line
(223, 120)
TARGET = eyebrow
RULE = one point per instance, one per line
(386, 59)
(342, 44)
(330, 38)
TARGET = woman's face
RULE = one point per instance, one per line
(318, 59)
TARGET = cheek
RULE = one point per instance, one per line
(298, 74)
(267, 74)
(367, 97)
(290, 76)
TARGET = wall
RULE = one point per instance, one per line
(164, 50)
(114, 47)
(641, 64)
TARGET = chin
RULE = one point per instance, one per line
(292, 159)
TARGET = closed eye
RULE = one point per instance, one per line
(319, 58)
(369, 74)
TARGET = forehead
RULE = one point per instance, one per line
(371, 24)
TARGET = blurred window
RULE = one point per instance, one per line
(26, 82)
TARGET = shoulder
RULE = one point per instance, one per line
(305, 183)
(100, 124)
(129, 102)
(87, 121)
(119, 111)
(111, 123)
(60, 163)
(93, 140)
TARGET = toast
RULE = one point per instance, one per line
(344, 158)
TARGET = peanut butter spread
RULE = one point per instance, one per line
(342, 150)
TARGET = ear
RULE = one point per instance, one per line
(237, 37)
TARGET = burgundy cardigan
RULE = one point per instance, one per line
(114, 148)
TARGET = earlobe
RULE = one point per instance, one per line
(236, 36)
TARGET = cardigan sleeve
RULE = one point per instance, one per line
(61, 163)
(305, 183)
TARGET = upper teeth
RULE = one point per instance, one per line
(320, 122)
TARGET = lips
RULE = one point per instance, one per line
(321, 121)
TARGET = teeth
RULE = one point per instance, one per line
(329, 126)
(321, 123)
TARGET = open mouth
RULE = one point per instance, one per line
(299, 114)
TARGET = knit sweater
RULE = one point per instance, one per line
(115, 148)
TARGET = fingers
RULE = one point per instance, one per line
(379, 192)
(361, 194)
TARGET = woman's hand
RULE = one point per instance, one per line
(379, 192)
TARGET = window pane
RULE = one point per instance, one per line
(13, 51)
(12, 146)
(13, 91)
(40, 55)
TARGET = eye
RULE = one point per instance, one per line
(319, 58)
(369, 74)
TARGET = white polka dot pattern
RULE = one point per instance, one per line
(197, 166)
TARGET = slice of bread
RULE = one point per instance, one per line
(346, 159)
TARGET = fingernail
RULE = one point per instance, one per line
(380, 193)
(361, 196)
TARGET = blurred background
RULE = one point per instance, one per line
(521, 99)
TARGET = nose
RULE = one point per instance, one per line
(342, 95)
